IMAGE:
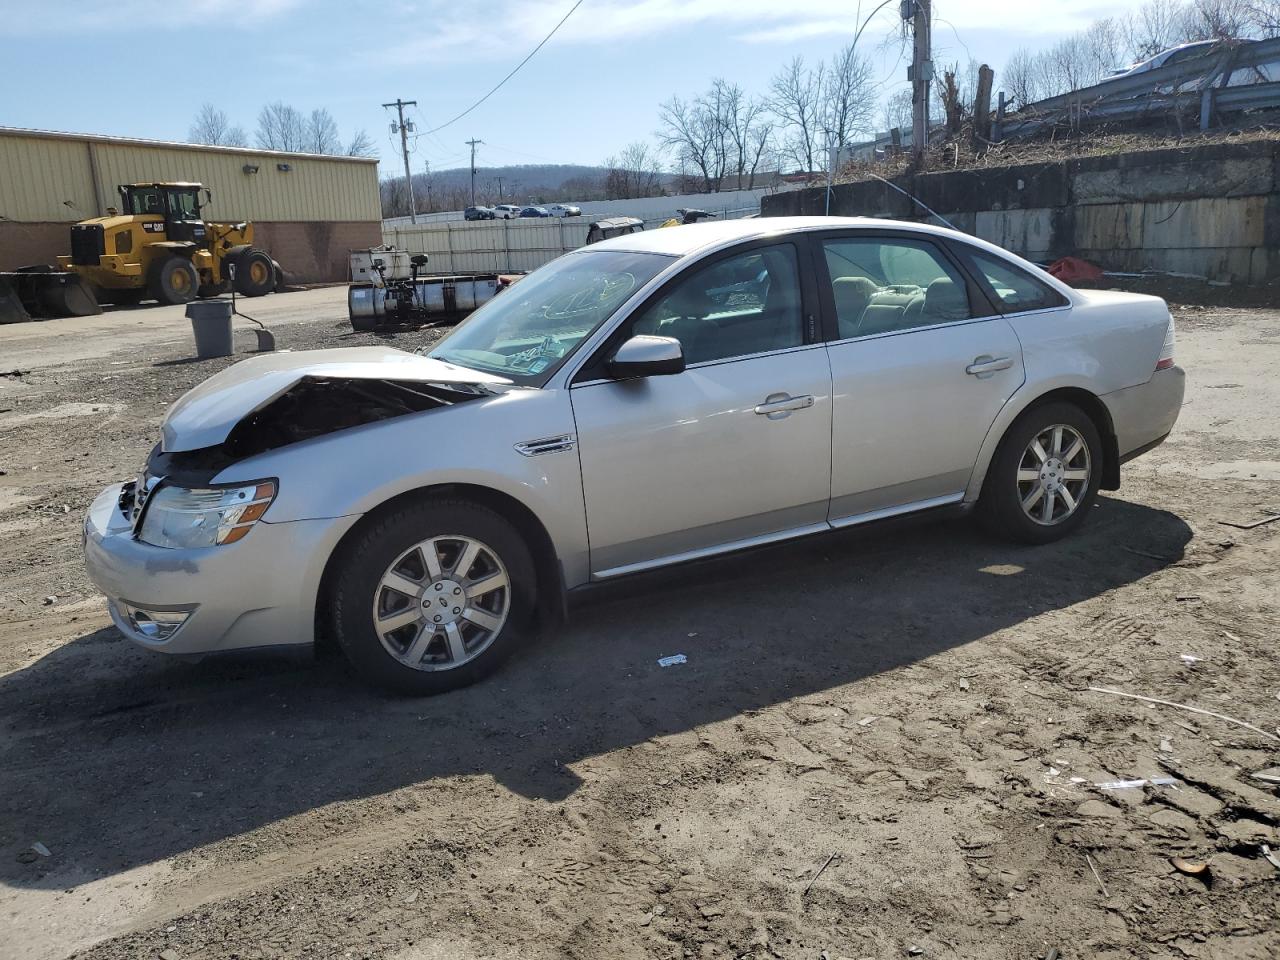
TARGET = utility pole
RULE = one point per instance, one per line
(472, 144)
(404, 148)
(921, 72)
(426, 169)
(500, 179)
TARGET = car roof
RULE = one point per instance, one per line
(684, 240)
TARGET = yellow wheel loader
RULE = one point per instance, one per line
(157, 247)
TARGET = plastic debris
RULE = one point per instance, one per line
(672, 660)
(1270, 857)
(1134, 784)
(41, 849)
(1189, 658)
(867, 721)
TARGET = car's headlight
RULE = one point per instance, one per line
(179, 517)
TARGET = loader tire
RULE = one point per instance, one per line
(173, 280)
(208, 290)
(255, 274)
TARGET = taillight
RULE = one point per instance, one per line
(1166, 351)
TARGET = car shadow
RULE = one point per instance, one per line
(117, 757)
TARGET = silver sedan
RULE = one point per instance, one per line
(645, 401)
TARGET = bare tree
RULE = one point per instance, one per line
(212, 127)
(796, 96)
(1265, 16)
(321, 135)
(1156, 25)
(691, 131)
(847, 103)
(281, 127)
(1217, 19)
(632, 173)
(897, 110)
(360, 145)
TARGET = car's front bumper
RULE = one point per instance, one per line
(258, 592)
(1144, 415)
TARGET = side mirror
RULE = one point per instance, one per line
(646, 356)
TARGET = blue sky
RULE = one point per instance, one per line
(142, 67)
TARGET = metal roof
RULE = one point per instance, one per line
(172, 144)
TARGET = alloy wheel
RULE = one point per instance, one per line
(1053, 474)
(442, 602)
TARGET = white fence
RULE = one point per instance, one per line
(509, 246)
(489, 246)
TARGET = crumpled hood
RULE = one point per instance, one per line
(205, 415)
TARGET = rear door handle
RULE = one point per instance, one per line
(779, 405)
(986, 365)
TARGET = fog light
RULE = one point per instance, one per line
(158, 625)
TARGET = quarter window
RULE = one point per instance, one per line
(742, 305)
(1016, 290)
(884, 286)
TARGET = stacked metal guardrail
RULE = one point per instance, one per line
(1173, 89)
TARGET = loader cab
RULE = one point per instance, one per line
(177, 203)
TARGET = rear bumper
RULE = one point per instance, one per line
(259, 592)
(1143, 416)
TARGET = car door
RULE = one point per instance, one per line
(921, 364)
(736, 448)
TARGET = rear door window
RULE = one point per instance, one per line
(889, 285)
(1016, 291)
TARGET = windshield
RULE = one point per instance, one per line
(528, 330)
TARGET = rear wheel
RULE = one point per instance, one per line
(1045, 476)
(433, 596)
(173, 280)
(255, 274)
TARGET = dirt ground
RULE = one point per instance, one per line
(899, 759)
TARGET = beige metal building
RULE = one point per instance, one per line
(308, 210)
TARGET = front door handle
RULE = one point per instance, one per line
(986, 365)
(779, 405)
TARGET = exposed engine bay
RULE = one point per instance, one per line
(313, 407)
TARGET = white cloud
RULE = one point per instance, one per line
(503, 30)
(23, 18)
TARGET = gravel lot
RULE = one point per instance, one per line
(901, 756)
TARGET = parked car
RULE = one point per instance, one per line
(478, 213)
(564, 210)
(694, 215)
(506, 211)
(534, 212)
(644, 401)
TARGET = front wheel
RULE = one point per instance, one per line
(173, 280)
(433, 596)
(255, 274)
(1045, 476)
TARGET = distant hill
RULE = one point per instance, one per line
(520, 183)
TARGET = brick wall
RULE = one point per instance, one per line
(309, 252)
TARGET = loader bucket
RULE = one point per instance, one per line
(45, 292)
(11, 309)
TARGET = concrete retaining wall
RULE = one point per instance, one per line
(1210, 211)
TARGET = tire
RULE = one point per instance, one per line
(392, 548)
(173, 280)
(208, 290)
(255, 274)
(1059, 498)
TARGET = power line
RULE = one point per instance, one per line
(512, 73)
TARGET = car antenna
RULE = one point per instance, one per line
(917, 201)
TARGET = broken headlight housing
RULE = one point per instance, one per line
(204, 517)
